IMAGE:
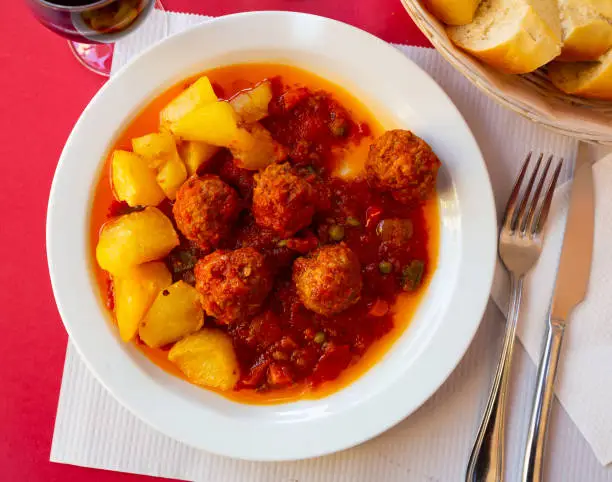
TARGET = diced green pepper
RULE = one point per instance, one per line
(412, 275)
(353, 221)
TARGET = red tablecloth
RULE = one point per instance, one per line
(43, 90)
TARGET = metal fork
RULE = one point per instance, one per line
(520, 245)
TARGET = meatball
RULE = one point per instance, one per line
(329, 280)
(205, 210)
(404, 165)
(284, 200)
(233, 284)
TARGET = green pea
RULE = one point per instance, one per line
(353, 221)
(385, 267)
(319, 337)
(282, 243)
(336, 232)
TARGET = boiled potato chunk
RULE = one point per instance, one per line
(207, 358)
(252, 105)
(175, 313)
(171, 176)
(157, 148)
(214, 124)
(133, 181)
(197, 94)
(256, 149)
(135, 291)
(135, 238)
(195, 154)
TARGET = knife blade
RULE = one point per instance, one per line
(577, 252)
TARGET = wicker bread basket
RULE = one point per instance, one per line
(531, 95)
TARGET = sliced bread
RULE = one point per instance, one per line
(584, 79)
(453, 12)
(515, 36)
(587, 29)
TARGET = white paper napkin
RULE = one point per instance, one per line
(432, 445)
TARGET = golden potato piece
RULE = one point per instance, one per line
(255, 149)
(175, 313)
(214, 124)
(252, 105)
(133, 239)
(197, 94)
(195, 153)
(157, 148)
(171, 176)
(133, 181)
(134, 292)
(207, 358)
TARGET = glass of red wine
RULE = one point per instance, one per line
(92, 26)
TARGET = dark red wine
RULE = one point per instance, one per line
(91, 21)
(73, 3)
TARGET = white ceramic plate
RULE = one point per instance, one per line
(402, 96)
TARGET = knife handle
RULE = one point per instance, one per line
(538, 427)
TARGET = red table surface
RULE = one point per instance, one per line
(43, 90)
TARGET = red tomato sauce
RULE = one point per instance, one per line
(289, 352)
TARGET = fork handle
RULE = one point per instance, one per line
(542, 404)
(486, 462)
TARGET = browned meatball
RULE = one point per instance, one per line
(205, 210)
(329, 280)
(284, 200)
(404, 165)
(233, 284)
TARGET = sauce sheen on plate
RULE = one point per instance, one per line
(284, 350)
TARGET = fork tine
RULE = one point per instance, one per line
(527, 193)
(528, 221)
(540, 220)
(511, 206)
